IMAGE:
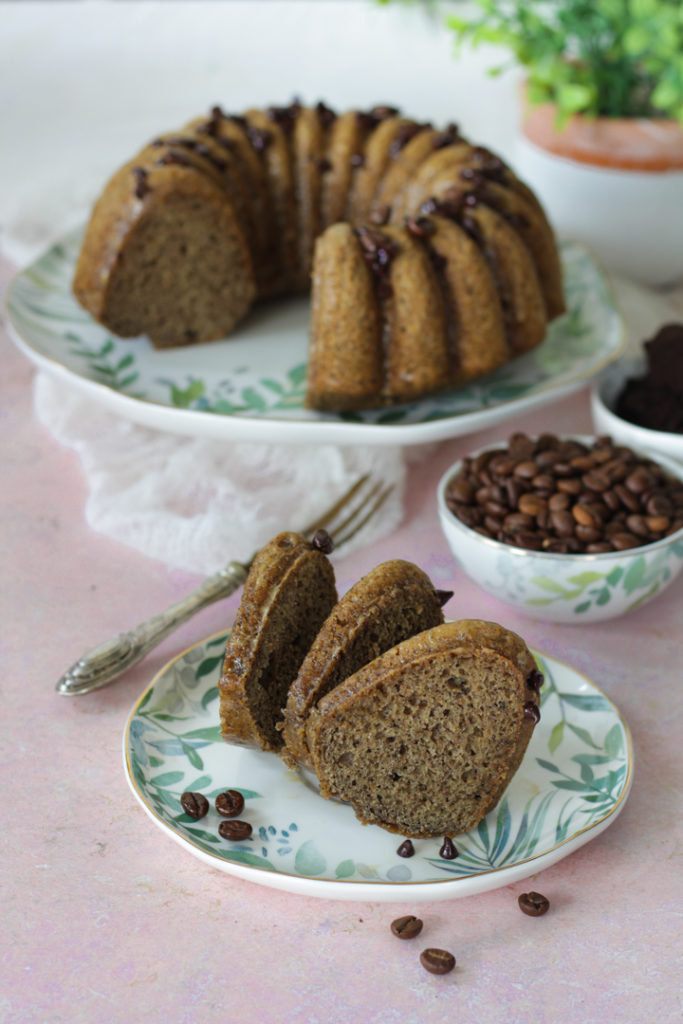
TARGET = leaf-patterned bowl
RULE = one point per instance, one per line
(574, 589)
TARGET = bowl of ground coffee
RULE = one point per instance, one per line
(571, 530)
(639, 400)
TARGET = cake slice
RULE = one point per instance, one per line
(475, 323)
(269, 133)
(391, 603)
(376, 159)
(415, 351)
(288, 594)
(424, 740)
(309, 139)
(231, 133)
(344, 367)
(164, 255)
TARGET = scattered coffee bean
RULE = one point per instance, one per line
(235, 830)
(194, 804)
(406, 849)
(230, 803)
(406, 927)
(566, 497)
(448, 850)
(437, 961)
(533, 903)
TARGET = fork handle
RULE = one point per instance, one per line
(110, 659)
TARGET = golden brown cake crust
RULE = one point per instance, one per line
(441, 719)
(287, 595)
(390, 603)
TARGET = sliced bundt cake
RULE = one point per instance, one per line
(234, 209)
(424, 740)
(287, 596)
(391, 603)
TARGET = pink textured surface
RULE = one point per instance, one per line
(106, 920)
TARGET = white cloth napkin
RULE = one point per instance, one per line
(195, 503)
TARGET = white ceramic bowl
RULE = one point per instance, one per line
(574, 589)
(604, 393)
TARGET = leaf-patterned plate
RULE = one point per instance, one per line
(251, 385)
(573, 782)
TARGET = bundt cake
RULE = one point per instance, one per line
(431, 262)
(424, 740)
(391, 603)
(288, 594)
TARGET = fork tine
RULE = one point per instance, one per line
(327, 517)
(339, 537)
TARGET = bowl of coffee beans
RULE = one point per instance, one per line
(570, 530)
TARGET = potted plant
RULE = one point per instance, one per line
(601, 135)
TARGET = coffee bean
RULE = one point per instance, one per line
(566, 497)
(194, 804)
(448, 850)
(406, 849)
(533, 903)
(235, 830)
(407, 927)
(437, 961)
(230, 803)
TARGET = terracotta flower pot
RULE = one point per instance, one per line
(615, 184)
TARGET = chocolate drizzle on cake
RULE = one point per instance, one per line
(378, 252)
(141, 185)
(285, 117)
(405, 133)
(448, 137)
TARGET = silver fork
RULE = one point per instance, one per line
(107, 661)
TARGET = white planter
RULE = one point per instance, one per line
(617, 186)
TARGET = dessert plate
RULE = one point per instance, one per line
(573, 782)
(251, 386)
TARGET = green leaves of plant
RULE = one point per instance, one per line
(606, 57)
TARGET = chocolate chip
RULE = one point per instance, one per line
(448, 850)
(535, 679)
(406, 849)
(420, 227)
(323, 542)
(406, 927)
(531, 710)
(141, 186)
(235, 830)
(533, 903)
(444, 596)
(194, 804)
(437, 961)
(230, 803)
